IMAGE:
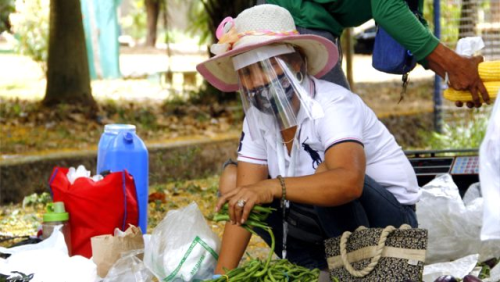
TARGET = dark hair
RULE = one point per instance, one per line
(297, 57)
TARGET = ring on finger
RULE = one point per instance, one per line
(241, 203)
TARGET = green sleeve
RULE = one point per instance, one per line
(312, 15)
(397, 19)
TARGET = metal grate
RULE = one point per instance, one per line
(464, 18)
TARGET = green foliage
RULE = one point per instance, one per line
(175, 36)
(206, 15)
(487, 266)
(30, 25)
(208, 94)
(450, 17)
(468, 133)
(142, 115)
(15, 109)
(37, 199)
(200, 22)
(6, 8)
(135, 23)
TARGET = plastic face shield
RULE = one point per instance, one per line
(270, 91)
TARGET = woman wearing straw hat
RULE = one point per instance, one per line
(307, 145)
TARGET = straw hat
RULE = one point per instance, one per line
(258, 26)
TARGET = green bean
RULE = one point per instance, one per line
(258, 217)
(270, 270)
(248, 271)
(270, 256)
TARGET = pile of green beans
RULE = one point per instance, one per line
(269, 270)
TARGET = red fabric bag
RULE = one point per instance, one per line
(95, 208)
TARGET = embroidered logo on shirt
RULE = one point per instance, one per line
(316, 159)
(241, 140)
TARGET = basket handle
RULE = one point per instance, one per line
(378, 252)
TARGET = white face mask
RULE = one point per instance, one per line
(263, 97)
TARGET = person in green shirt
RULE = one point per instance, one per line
(333, 16)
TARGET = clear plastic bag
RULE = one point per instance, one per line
(182, 247)
(454, 227)
(489, 175)
(129, 268)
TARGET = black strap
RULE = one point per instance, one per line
(303, 224)
(413, 4)
(405, 80)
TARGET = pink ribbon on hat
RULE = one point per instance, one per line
(226, 33)
(220, 29)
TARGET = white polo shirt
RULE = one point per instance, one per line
(346, 119)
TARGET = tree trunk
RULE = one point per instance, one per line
(468, 19)
(6, 8)
(152, 12)
(220, 9)
(217, 10)
(68, 77)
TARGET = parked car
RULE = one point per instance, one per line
(364, 37)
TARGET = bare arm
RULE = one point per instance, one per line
(235, 239)
(341, 183)
(462, 73)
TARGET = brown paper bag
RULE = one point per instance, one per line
(107, 249)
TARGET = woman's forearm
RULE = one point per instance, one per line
(234, 243)
(235, 238)
(330, 188)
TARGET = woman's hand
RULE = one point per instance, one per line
(242, 199)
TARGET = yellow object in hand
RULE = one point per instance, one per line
(489, 71)
(465, 96)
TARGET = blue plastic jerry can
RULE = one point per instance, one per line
(120, 148)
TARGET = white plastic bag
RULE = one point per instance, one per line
(494, 274)
(48, 261)
(182, 247)
(456, 268)
(454, 227)
(468, 46)
(489, 175)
